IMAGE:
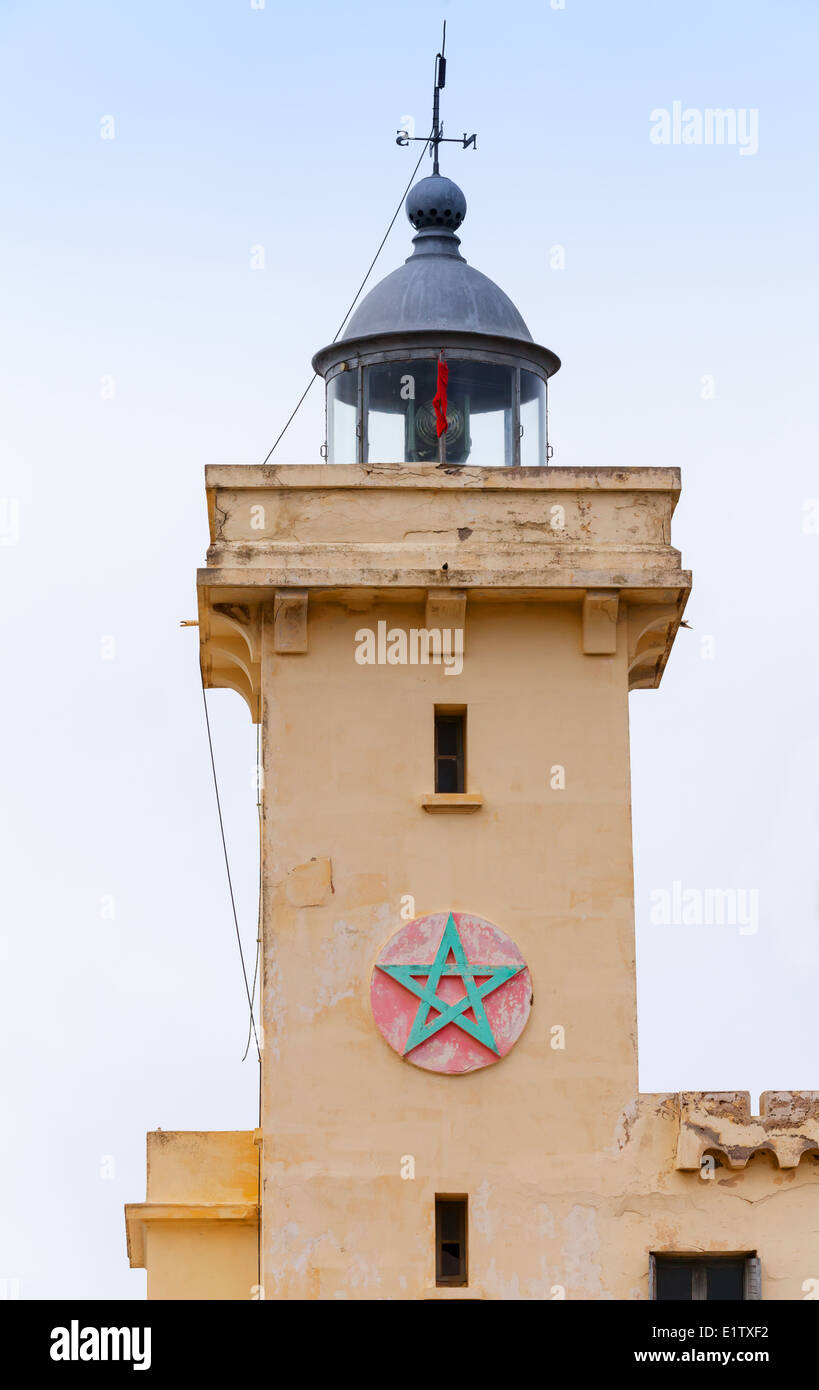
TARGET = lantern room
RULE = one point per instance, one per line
(384, 378)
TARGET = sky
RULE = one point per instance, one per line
(190, 198)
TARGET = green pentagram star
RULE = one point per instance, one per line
(451, 1013)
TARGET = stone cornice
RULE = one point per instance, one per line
(400, 531)
(140, 1216)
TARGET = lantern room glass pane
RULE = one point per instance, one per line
(399, 417)
(481, 403)
(532, 420)
(342, 418)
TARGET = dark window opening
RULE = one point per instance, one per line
(450, 1241)
(705, 1278)
(450, 751)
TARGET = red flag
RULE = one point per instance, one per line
(439, 399)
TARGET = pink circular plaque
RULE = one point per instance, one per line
(451, 992)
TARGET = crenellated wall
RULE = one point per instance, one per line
(720, 1122)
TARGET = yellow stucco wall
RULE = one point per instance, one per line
(348, 754)
(571, 1181)
(572, 1178)
(210, 1260)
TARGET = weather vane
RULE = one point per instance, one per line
(437, 136)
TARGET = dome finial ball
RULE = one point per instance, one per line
(436, 202)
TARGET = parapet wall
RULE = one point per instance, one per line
(197, 1232)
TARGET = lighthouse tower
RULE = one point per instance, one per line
(438, 631)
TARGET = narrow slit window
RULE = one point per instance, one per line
(450, 751)
(450, 1241)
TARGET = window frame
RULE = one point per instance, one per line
(460, 1280)
(455, 714)
(699, 1260)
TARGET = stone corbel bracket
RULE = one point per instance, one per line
(230, 637)
(721, 1122)
(230, 649)
(652, 628)
(600, 611)
(446, 608)
(290, 621)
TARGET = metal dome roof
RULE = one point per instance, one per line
(435, 292)
(437, 289)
